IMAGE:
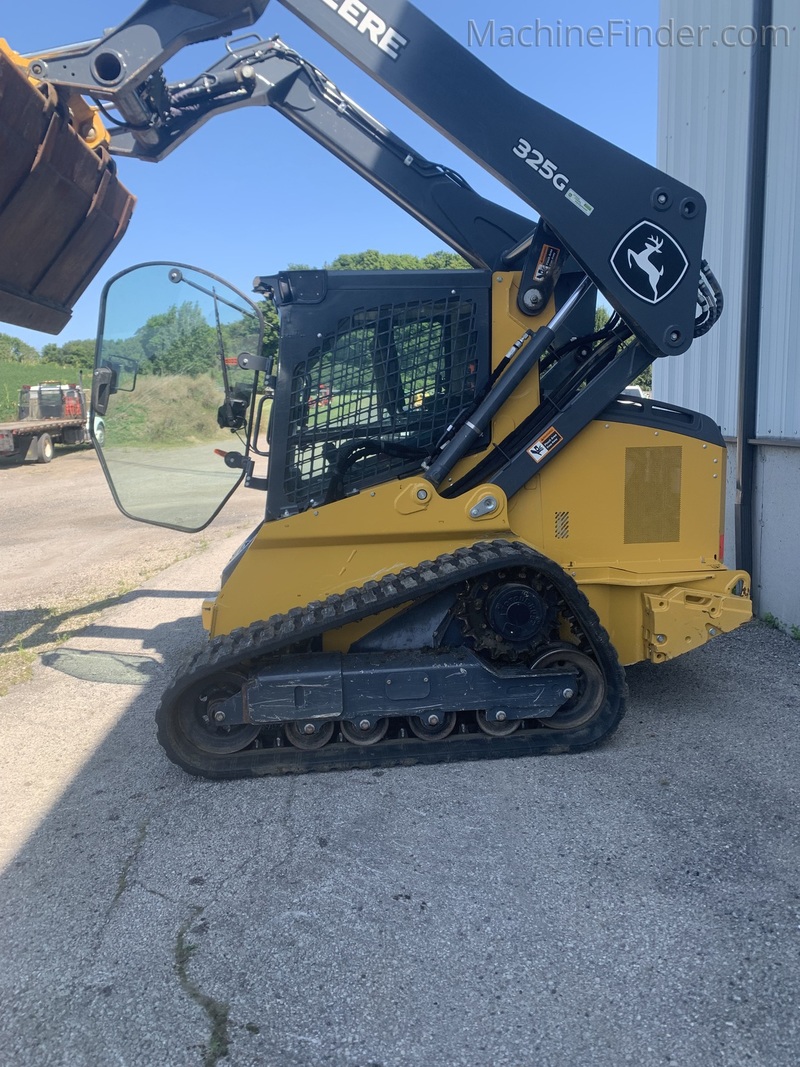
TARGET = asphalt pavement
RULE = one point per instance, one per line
(639, 903)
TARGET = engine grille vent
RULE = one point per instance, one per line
(562, 525)
(653, 494)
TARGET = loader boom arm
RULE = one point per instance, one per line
(570, 176)
(271, 74)
(611, 211)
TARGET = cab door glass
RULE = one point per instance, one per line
(169, 386)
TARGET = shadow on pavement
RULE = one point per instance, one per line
(41, 626)
(99, 665)
(636, 903)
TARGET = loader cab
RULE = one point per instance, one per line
(373, 367)
(175, 387)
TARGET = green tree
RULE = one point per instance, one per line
(444, 260)
(77, 354)
(645, 380)
(178, 341)
(372, 259)
(271, 328)
(13, 350)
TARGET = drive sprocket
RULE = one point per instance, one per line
(509, 613)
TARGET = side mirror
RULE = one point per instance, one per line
(124, 371)
(113, 376)
(103, 388)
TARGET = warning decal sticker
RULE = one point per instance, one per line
(549, 440)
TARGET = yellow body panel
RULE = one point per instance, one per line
(624, 531)
(319, 552)
(313, 555)
(630, 511)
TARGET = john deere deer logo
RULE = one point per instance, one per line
(633, 262)
(642, 260)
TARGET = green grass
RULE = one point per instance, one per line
(218, 1011)
(346, 408)
(777, 624)
(14, 375)
(166, 410)
(364, 409)
(161, 411)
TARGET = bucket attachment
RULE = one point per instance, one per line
(62, 207)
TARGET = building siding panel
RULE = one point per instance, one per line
(702, 139)
(778, 415)
(703, 116)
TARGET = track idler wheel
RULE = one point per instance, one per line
(364, 732)
(197, 722)
(496, 728)
(433, 725)
(590, 689)
(309, 735)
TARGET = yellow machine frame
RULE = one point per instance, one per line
(590, 510)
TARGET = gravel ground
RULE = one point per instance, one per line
(639, 903)
(69, 553)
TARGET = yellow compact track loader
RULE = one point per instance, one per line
(469, 526)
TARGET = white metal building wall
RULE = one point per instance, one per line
(779, 386)
(703, 140)
(703, 97)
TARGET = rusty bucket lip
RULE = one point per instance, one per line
(63, 209)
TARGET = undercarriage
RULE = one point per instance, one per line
(497, 611)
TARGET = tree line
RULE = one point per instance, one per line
(164, 344)
(155, 335)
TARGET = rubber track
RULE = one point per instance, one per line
(246, 648)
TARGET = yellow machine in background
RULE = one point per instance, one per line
(469, 527)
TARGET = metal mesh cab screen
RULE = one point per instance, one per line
(375, 393)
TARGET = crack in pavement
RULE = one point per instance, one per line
(158, 893)
(122, 880)
(217, 1011)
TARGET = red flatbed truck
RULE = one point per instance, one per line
(48, 414)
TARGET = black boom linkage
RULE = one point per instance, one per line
(612, 211)
(271, 74)
(636, 231)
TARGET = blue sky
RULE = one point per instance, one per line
(248, 194)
